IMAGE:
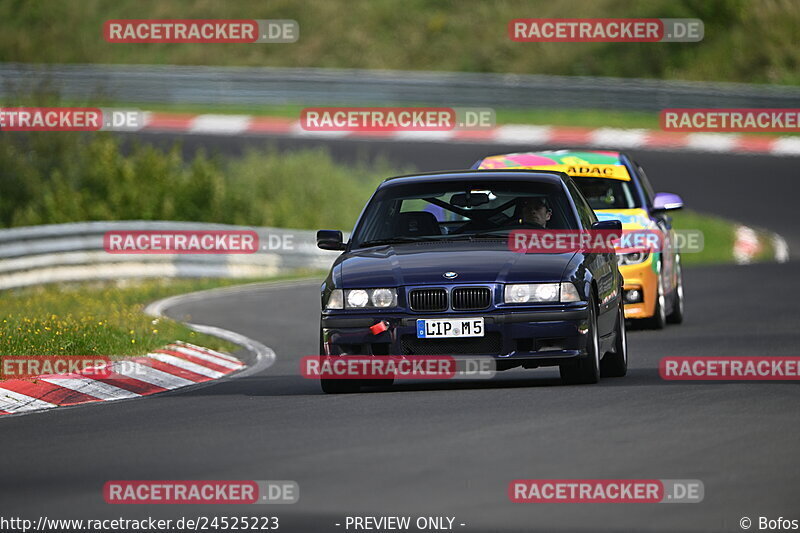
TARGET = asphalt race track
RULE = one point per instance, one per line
(451, 449)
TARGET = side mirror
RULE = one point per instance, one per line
(330, 239)
(608, 225)
(666, 201)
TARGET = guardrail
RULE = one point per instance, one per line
(74, 252)
(142, 84)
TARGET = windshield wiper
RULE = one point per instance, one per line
(395, 240)
(489, 235)
(481, 235)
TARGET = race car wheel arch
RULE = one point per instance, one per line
(659, 318)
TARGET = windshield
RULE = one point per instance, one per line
(602, 193)
(462, 210)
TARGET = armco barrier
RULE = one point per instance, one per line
(142, 84)
(74, 252)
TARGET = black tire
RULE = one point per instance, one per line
(659, 318)
(676, 316)
(586, 370)
(615, 364)
(388, 382)
(340, 386)
(337, 386)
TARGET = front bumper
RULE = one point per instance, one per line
(540, 337)
(642, 277)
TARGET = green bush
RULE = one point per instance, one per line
(62, 177)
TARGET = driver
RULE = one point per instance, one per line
(535, 212)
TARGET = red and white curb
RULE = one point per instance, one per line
(508, 134)
(176, 365)
(747, 245)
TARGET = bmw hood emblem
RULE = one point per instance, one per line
(450, 275)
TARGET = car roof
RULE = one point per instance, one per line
(552, 157)
(552, 177)
(576, 163)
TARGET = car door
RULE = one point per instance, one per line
(664, 223)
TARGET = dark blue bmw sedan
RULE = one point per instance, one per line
(428, 270)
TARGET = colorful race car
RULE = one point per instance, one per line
(617, 189)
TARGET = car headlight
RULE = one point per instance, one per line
(362, 298)
(531, 292)
(633, 258)
(521, 293)
(383, 298)
(357, 298)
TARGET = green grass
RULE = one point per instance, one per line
(99, 318)
(719, 235)
(745, 41)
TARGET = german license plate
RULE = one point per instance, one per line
(444, 328)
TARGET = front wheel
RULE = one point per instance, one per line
(676, 316)
(659, 318)
(585, 370)
(615, 364)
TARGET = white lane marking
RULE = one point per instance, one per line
(149, 375)
(265, 355)
(14, 402)
(523, 134)
(226, 124)
(98, 389)
(628, 138)
(206, 357)
(781, 248)
(186, 365)
(156, 309)
(711, 142)
(436, 136)
(786, 146)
